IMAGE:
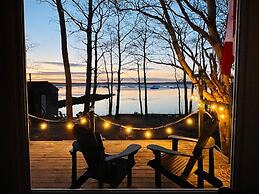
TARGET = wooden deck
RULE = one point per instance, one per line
(51, 164)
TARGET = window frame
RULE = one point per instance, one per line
(17, 140)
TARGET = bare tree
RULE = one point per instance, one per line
(139, 49)
(144, 47)
(179, 92)
(139, 89)
(109, 47)
(196, 14)
(101, 16)
(62, 23)
(123, 30)
(82, 15)
(111, 72)
(89, 57)
(119, 61)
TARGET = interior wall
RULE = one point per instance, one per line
(14, 134)
(246, 110)
(14, 174)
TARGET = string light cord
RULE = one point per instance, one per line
(47, 120)
(57, 121)
(146, 128)
(108, 122)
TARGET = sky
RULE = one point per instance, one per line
(44, 59)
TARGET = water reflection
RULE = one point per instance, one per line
(162, 99)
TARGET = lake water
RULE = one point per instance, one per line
(162, 98)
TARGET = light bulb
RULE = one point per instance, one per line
(43, 126)
(106, 125)
(189, 121)
(148, 134)
(83, 121)
(213, 106)
(128, 130)
(169, 130)
(70, 125)
(222, 116)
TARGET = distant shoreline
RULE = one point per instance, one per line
(128, 83)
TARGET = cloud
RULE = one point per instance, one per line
(60, 73)
(60, 63)
(153, 79)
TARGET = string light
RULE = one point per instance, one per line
(70, 125)
(221, 108)
(83, 121)
(169, 130)
(222, 116)
(189, 121)
(128, 129)
(43, 126)
(106, 125)
(148, 134)
(213, 106)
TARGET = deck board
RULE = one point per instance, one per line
(51, 164)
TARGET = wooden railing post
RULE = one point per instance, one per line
(211, 161)
(74, 168)
(91, 119)
(200, 169)
(175, 144)
(157, 171)
(129, 173)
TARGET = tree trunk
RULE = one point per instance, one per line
(145, 81)
(95, 65)
(224, 116)
(69, 109)
(190, 103)
(117, 112)
(185, 94)
(108, 82)
(89, 57)
(139, 92)
(111, 99)
(179, 92)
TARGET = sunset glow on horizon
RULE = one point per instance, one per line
(44, 58)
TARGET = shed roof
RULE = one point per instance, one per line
(40, 84)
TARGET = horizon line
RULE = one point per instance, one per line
(165, 82)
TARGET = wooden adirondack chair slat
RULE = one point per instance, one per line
(178, 166)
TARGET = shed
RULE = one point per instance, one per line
(42, 99)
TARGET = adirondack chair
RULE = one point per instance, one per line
(111, 169)
(179, 166)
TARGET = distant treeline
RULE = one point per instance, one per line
(128, 83)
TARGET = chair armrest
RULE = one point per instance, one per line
(210, 143)
(75, 147)
(130, 150)
(182, 138)
(157, 148)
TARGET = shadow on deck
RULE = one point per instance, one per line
(51, 164)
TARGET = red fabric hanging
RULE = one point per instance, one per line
(227, 58)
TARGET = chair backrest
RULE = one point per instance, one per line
(90, 144)
(206, 133)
